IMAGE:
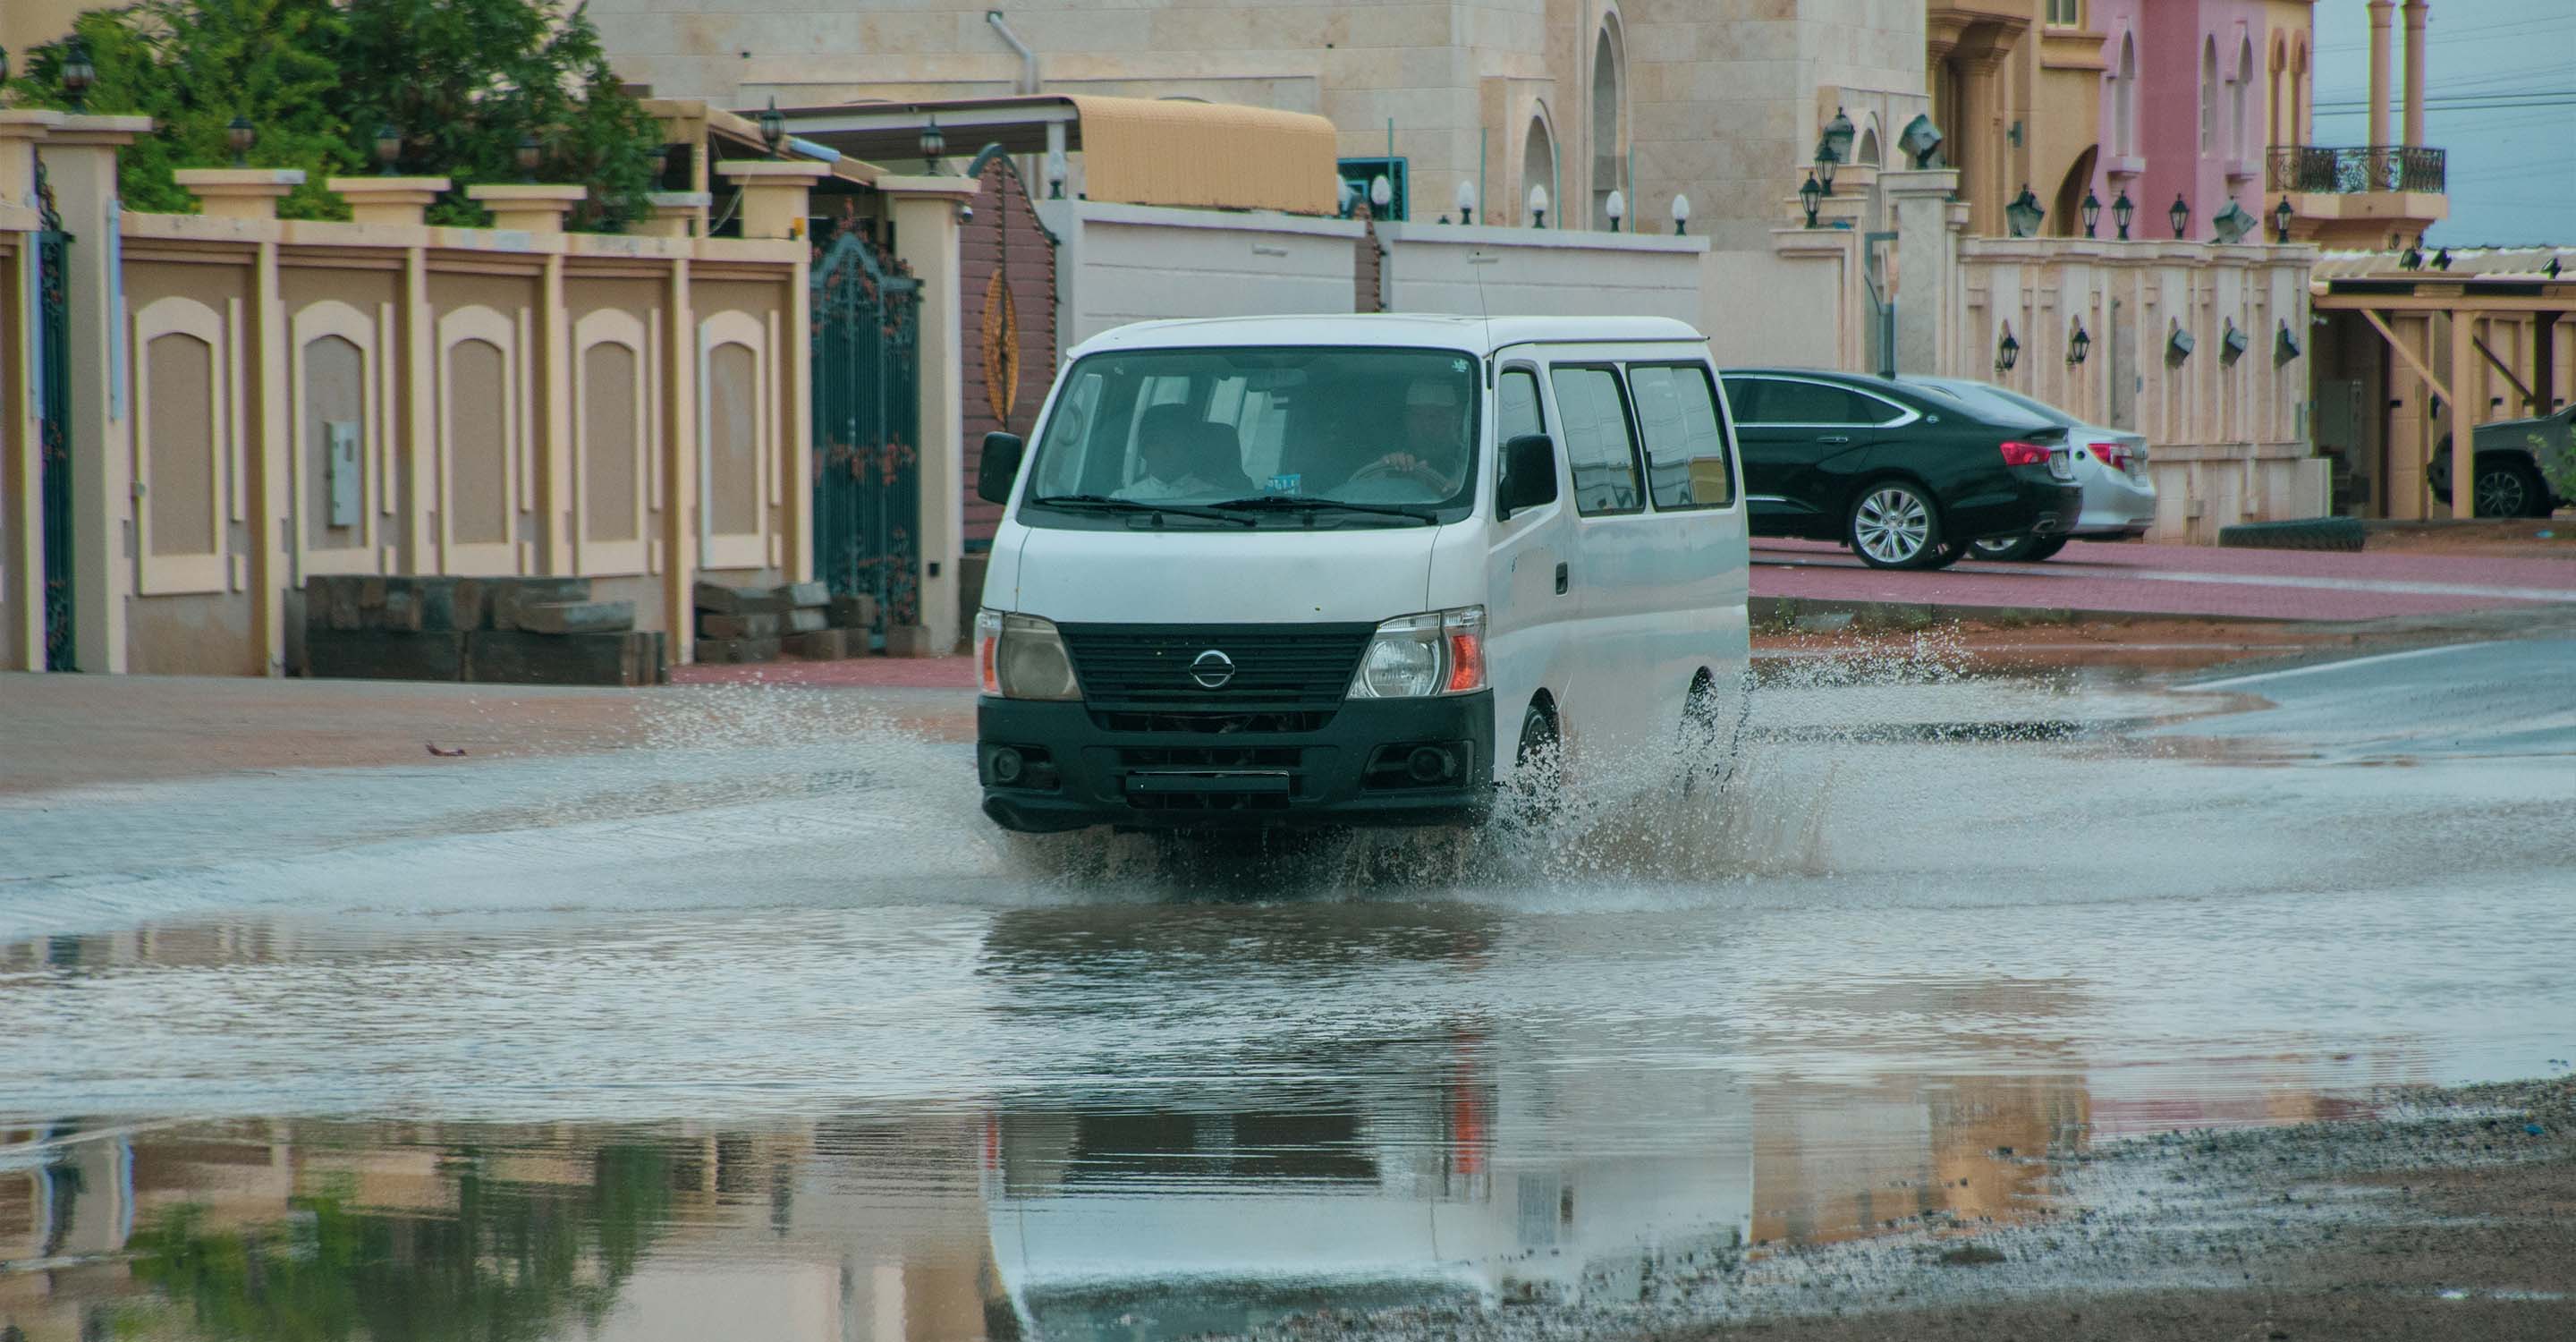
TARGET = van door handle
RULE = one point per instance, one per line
(1835, 438)
(1560, 580)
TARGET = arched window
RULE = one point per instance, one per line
(1538, 162)
(2124, 96)
(1867, 152)
(2298, 127)
(2239, 145)
(1608, 90)
(2208, 95)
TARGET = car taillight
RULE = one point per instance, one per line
(2112, 455)
(2025, 454)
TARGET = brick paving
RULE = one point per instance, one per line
(2182, 580)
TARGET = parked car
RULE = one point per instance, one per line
(2508, 480)
(1906, 476)
(2111, 465)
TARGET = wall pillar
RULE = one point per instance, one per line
(22, 601)
(775, 194)
(925, 233)
(2379, 56)
(238, 193)
(528, 207)
(2414, 125)
(388, 200)
(1927, 260)
(2468, 406)
(80, 164)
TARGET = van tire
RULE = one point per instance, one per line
(1893, 523)
(1538, 768)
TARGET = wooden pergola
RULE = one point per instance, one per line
(2449, 296)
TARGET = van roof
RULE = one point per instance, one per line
(1481, 335)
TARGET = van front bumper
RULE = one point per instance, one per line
(1047, 767)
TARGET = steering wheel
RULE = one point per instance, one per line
(1402, 466)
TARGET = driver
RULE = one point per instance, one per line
(1435, 453)
(1173, 446)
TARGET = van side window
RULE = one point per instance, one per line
(1685, 441)
(1597, 442)
(1516, 409)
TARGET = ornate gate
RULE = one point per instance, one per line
(867, 417)
(54, 424)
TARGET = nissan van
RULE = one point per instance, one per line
(1355, 570)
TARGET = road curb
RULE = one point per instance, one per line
(1821, 615)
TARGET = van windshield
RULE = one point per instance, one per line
(1283, 435)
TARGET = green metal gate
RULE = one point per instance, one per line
(867, 418)
(54, 423)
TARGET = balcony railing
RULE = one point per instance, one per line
(2345, 171)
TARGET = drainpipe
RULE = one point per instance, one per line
(1028, 58)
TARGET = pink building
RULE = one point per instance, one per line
(2196, 94)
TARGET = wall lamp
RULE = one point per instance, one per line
(2079, 346)
(2007, 351)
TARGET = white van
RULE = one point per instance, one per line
(1314, 570)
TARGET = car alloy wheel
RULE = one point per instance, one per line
(1892, 526)
(2502, 492)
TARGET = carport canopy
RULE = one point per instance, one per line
(1140, 151)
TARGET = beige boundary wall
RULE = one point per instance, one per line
(1117, 264)
(1478, 271)
(2229, 440)
(259, 400)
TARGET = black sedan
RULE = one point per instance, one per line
(1905, 478)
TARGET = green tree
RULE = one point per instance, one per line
(462, 81)
(193, 66)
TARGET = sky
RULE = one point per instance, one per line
(2508, 69)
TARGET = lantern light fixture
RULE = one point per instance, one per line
(1616, 207)
(239, 136)
(1681, 215)
(2079, 345)
(2281, 221)
(2007, 351)
(530, 153)
(1466, 197)
(2179, 216)
(1808, 195)
(1381, 194)
(388, 148)
(2021, 218)
(78, 74)
(1826, 158)
(2090, 210)
(934, 144)
(1538, 206)
(2122, 210)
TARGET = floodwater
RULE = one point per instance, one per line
(762, 1033)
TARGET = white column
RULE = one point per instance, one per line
(925, 234)
(80, 164)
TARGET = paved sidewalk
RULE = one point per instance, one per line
(2180, 580)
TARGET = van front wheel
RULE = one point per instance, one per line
(1538, 769)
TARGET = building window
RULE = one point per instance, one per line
(2066, 13)
(2209, 95)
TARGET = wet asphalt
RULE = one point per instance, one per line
(757, 1030)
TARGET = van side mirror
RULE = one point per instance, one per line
(1529, 475)
(1001, 466)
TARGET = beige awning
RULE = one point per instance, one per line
(1140, 151)
(1161, 151)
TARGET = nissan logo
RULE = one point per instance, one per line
(1212, 670)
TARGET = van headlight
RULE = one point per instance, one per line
(1416, 656)
(1023, 657)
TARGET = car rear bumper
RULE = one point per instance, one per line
(1058, 766)
(2116, 504)
(2029, 502)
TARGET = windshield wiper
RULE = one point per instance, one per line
(1283, 503)
(1106, 504)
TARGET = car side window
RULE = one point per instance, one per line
(1598, 444)
(1748, 397)
(1516, 412)
(1677, 413)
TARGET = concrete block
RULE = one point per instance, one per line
(725, 651)
(853, 612)
(508, 595)
(450, 603)
(399, 610)
(522, 657)
(909, 640)
(578, 617)
(805, 620)
(825, 645)
(803, 594)
(739, 626)
(723, 600)
(374, 654)
(339, 609)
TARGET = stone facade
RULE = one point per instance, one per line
(1719, 100)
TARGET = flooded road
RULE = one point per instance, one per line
(757, 1030)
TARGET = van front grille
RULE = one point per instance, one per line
(1270, 668)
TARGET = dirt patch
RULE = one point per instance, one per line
(2527, 538)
